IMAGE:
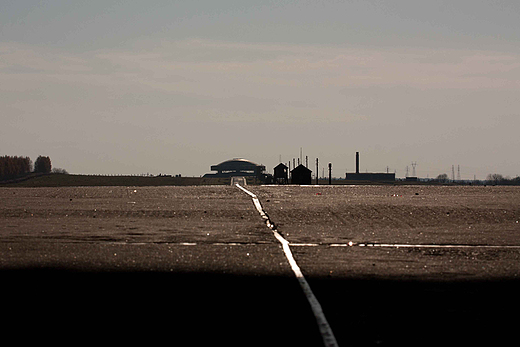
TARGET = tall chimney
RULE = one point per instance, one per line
(357, 162)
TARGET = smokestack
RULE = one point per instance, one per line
(357, 162)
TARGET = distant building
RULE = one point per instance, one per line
(301, 175)
(281, 173)
(369, 176)
(237, 167)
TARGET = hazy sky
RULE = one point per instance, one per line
(131, 87)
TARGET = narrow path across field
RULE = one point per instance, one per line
(326, 332)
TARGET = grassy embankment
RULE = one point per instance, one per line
(67, 180)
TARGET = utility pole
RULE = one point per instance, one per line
(330, 174)
(453, 173)
(317, 171)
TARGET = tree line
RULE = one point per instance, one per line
(14, 166)
(501, 180)
(495, 179)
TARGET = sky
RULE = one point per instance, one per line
(173, 87)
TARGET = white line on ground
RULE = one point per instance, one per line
(402, 245)
(326, 332)
(350, 244)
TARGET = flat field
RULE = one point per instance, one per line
(390, 265)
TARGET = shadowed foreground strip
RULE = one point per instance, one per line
(62, 305)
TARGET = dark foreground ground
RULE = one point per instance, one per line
(196, 265)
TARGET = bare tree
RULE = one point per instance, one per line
(443, 178)
(59, 170)
(496, 178)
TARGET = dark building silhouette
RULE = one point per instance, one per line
(237, 167)
(369, 176)
(280, 174)
(301, 175)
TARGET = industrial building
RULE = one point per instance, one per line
(237, 167)
(301, 175)
(369, 176)
(281, 173)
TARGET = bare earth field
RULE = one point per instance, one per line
(390, 265)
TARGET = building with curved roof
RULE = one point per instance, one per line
(237, 167)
